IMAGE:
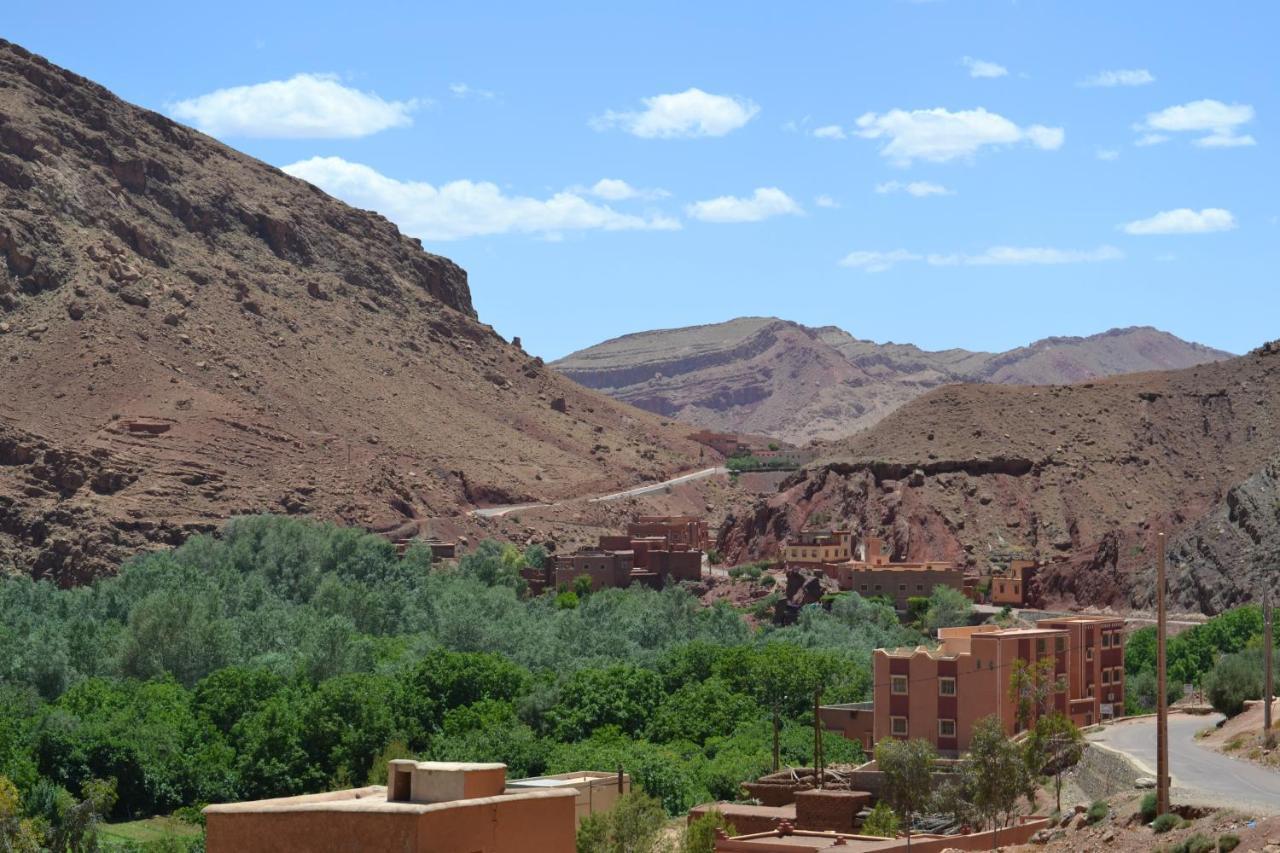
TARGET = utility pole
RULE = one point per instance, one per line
(1268, 677)
(1162, 694)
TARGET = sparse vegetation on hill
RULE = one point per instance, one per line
(284, 656)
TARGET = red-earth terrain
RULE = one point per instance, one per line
(1088, 473)
(187, 333)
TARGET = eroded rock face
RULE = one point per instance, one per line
(774, 377)
(187, 333)
(1085, 474)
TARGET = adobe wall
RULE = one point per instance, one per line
(311, 832)
(833, 810)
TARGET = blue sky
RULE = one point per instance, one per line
(949, 173)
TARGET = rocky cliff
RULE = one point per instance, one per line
(1087, 472)
(187, 333)
(775, 377)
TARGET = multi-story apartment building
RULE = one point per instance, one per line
(1096, 672)
(938, 694)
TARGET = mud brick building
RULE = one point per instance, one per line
(426, 807)
(870, 573)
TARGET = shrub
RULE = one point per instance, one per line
(882, 822)
(1164, 823)
(1231, 682)
(1098, 811)
(1228, 842)
(1195, 844)
(700, 837)
(1148, 807)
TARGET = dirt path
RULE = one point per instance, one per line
(650, 488)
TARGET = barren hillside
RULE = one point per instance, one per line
(763, 375)
(187, 333)
(1089, 472)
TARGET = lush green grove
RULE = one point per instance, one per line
(1223, 655)
(284, 656)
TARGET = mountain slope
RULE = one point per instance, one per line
(1088, 472)
(763, 375)
(188, 333)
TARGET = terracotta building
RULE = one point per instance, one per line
(938, 694)
(1016, 586)
(427, 807)
(1096, 672)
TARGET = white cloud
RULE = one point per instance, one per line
(1108, 154)
(764, 203)
(876, 261)
(829, 131)
(692, 112)
(1119, 77)
(939, 135)
(462, 90)
(615, 189)
(1184, 220)
(1150, 139)
(304, 106)
(465, 208)
(1224, 140)
(826, 201)
(982, 68)
(919, 189)
(1218, 121)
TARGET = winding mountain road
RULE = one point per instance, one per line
(1199, 775)
(649, 488)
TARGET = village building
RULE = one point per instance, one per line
(871, 573)
(1016, 586)
(426, 807)
(818, 548)
(655, 551)
(939, 694)
(676, 530)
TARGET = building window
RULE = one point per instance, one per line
(919, 587)
(1040, 647)
(863, 587)
(946, 686)
(946, 728)
(877, 587)
(1090, 691)
(898, 685)
(898, 726)
(1106, 639)
(1106, 676)
(1088, 653)
(1060, 645)
(1117, 674)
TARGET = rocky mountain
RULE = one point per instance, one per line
(187, 333)
(1090, 473)
(770, 376)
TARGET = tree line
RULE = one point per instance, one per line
(283, 656)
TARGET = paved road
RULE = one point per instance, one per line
(499, 511)
(1199, 775)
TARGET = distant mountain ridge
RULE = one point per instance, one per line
(801, 383)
